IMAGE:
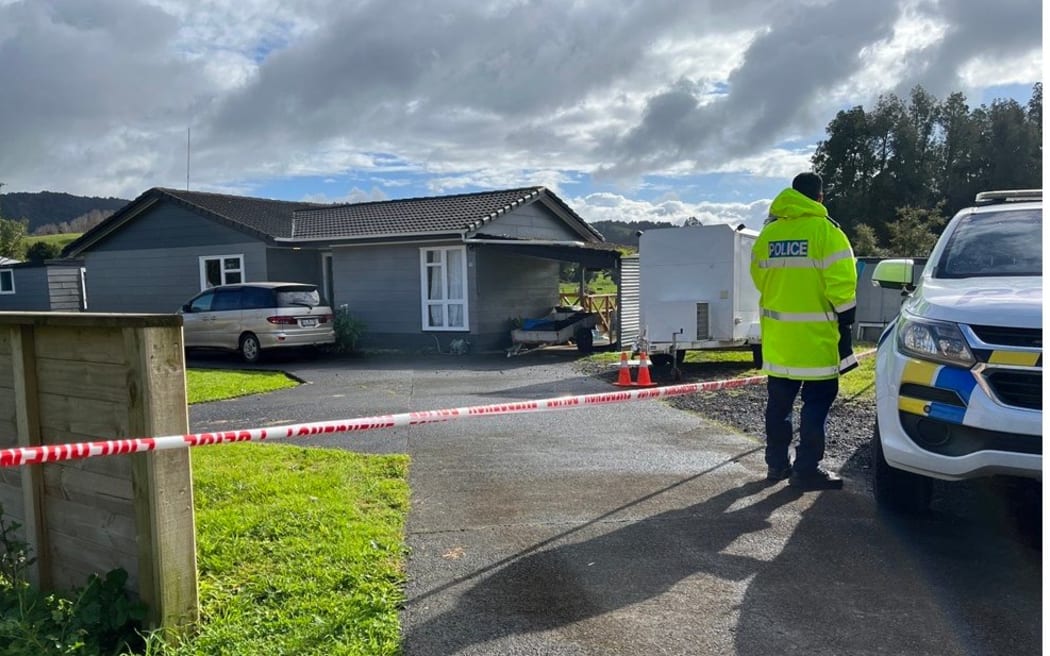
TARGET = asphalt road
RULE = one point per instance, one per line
(637, 528)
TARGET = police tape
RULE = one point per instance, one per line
(29, 455)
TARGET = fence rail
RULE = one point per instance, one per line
(603, 305)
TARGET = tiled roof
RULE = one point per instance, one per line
(291, 221)
(436, 214)
(272, 218)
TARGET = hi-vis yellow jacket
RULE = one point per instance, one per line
(804, 269)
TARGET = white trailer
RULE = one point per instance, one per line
(696, 292)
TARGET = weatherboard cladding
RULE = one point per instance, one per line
(442, 214)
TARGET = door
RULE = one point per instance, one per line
(198, 320)
(226, 324)
(328, 288)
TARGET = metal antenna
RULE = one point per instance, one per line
(187, 158)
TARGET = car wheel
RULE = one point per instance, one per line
(250, 349)
(897, 490)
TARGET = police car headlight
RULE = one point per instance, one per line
(939, 341)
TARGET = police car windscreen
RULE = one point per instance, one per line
(995, 244)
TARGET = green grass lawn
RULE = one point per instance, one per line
(60, 240)
(300, 551)
(203, 385)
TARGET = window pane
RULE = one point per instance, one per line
(212, 274)
(233, 277)
(232, 263)
(433, 257)
(435, 288)
(7, 281)
(227, 299)
(455, 274)
(437, 316)
(202, 303)
(455, 315)
(256, 298)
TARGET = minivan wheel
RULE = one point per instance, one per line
(897, 490)
(250, 349)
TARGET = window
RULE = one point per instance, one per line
(202, 303)
(7, 281)
(444, 280)
(221, 270)
(256, 298)
(1007, 243)
(226, 299)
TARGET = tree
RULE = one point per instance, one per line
(922, 153)
(865, 242)
(12, 238)
(39, 251)
(915, 231)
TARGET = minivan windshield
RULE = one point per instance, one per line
(1007, 243)
(289, 296)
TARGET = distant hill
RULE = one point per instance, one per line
(625, 233)
(47, 208)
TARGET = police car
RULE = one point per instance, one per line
(959, 373)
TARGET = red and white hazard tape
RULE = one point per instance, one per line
(58, 452)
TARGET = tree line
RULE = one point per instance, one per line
(894, 174)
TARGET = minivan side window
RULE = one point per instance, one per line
(256, 298)
(226, 299)
(202, 303)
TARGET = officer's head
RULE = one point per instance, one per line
(809, 185)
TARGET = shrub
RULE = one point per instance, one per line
(348, 331)
(96, 620)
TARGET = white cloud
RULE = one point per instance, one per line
(466, 94)
(607, 206)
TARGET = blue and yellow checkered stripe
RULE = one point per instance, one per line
(930, 374)
(1010, 358)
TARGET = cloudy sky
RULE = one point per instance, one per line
(629, 110)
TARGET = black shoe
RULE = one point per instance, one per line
(776, 474)
(818, 479)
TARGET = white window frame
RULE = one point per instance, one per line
(11, 277)
(202, 263)
(426, 302)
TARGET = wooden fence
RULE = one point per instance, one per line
(75, 377)
(604, 305)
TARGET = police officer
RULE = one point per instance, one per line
(804, 269)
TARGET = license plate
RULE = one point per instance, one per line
(308, 323)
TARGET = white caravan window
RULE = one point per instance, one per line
(444, 282)
(7, 281)
(221, 270)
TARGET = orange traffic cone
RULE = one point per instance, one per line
(625, 372)
(643, 371)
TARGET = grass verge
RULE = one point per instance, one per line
(300, 551)
(203, 385)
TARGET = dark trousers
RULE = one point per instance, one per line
(817, 397)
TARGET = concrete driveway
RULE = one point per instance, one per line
(640, 529)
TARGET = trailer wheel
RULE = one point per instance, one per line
(584, 340)
(660, 359)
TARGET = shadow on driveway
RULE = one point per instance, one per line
(847, 580)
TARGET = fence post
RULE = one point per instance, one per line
(27, 422)
(160, 480)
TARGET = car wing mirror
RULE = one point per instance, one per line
(187, 308)
(895, 274)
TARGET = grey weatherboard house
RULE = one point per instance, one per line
(418, 272)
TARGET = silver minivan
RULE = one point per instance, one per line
(252, 317)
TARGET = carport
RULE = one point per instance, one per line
(589, 256)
